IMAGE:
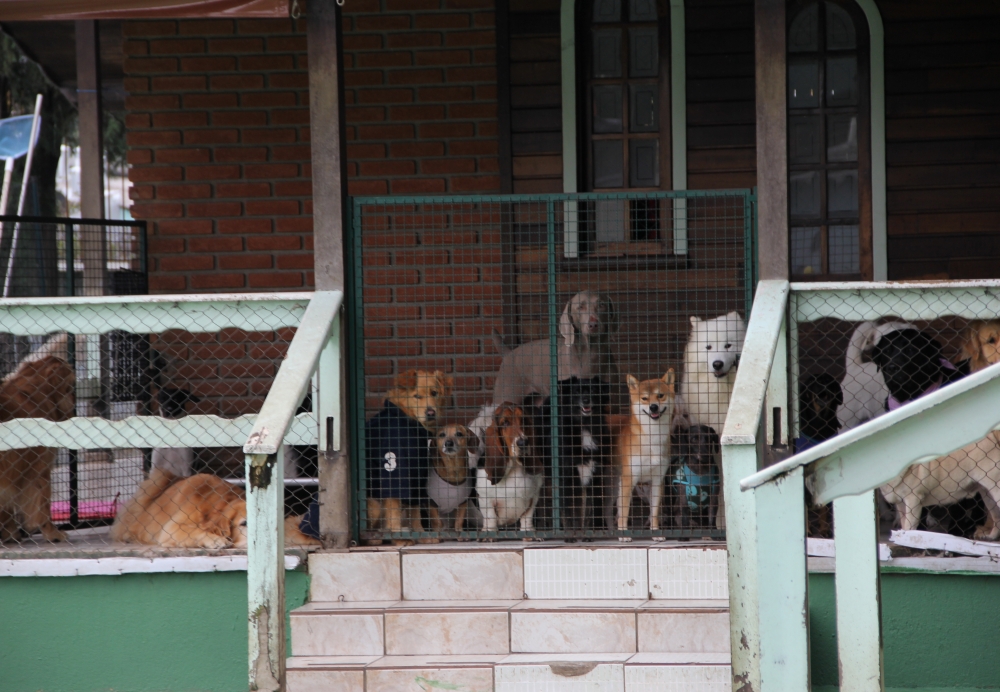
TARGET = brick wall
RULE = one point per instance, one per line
(218, 131)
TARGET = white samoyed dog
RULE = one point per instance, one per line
(710, 359)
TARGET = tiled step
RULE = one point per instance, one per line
(412, 628)
(513, 673)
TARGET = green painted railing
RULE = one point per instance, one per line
(765, 508)
(314, 351)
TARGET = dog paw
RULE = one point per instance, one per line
(659, 538)
(216, 542)
(462, 539)
(428, 540)
(531, 539)
(402, 542)
(625, 539)
(487, 540)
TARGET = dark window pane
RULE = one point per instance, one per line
(805, 139)
(607, 53)
(644, 219)
(803, 36)
(842, 138)
(806, 251)
(844, 250)
(644, 52)
(644, 112)
(607, 109)
(839, 28)
(608, 167)
(642, 10)
(609, 220)
(607, 11)
(842, 81)
(803, 83)
(644, 162)
(842, 193)
(805, 194)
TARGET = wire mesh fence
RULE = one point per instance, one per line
(125, 421)
(860, 353)
(553, 366)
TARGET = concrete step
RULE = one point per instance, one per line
(501, 627)
(596, 672)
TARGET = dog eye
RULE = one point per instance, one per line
(708, 347)
(728, 346)
(243, 523)
(441, 435)
(458, 434)
(991, 340)
(434, 392)
(418, 396)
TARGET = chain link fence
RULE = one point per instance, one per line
(552, 366)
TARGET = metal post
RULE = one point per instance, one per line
(74, 454)
(550, 226)
(88, 78)
(330, 222)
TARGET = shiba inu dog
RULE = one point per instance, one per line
(642, 445)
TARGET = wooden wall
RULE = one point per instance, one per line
(943, 138)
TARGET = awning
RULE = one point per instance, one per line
(39, 10)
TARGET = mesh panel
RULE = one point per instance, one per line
(860, 354)
(524, 367)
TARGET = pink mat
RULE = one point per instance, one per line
(86, 510)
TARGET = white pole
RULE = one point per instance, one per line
(8, 173)
(35, 125)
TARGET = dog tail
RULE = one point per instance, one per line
(150, 489)
(499, 344)
(859, 340)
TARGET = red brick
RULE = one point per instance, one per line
(157, 210)
(357, 42)
(187, 263)
(268, 99)
(385, 59)
(295, 261)
(153, 139)
(379, 168)
(275, 280)
(165, 246)
(237, 81)
(241, 154)
(418, 186)
(134, 66)
(134, 85)
(185, 227)
(384, 132)
(180, 83)
(154, 28)
(271, 170)
(243, 190)
(206, 27)
(245, 261)
(293, 153)
(416, 149)
(269, 136)
(486, 92)
(159, 283)
(392, 314)
(411, 113)
(240, 118)
(422, 76)
(296, 224)
(446, 94)
(489, 165)
(449, 129)
(210, 100)
(472, 148)
(367, 187)
(176, 46)
(385, 349)
(472, 110)
(447, 166)
(442, 21)
(413, 40)
(293, 80)
(267, 62)
(139, 156)
(136, 48)
(212, 64)
(213, 173)
(472, 74)
(211, 136)
(216, 280)
(215, 244)
(485, 19)
(356, 78)
(382, 22)
(293, 188)
(181, 119)
(156, 174)
(443, 57)
(365, 151)
(138, 121)
(183, 191)
(287, 44)
(236, 45)
(141, 192)
(273, 207)
(244, 226)
(297, 116)
(488, 57)
(272, 243)
(214, 209)
(451, 275)
(470, 38)
(365, 114)
(487, 129)
(156, 102)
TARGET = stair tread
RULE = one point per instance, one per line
(315, 608)
(482, 660)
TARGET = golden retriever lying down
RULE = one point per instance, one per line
(201, 511)
(40, 388)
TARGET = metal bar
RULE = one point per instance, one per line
(783, 605)
(868, 301)
(567, 64)
(293, 378)
(356, 379)
(859, 603)
(77, 220)
(550, 222)
(383, 200)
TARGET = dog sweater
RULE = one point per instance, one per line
(396, 450)
(446, 496)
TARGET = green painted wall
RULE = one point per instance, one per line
(133, 633)
(939, 632)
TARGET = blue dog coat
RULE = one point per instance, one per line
(398, 457)
(697, 489)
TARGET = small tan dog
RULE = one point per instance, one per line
(642, 445)
(201, 511)
(449, 484)
(38, 388)
(982, 344)
(397, 450)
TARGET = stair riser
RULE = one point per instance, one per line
(415, 634)
(338, 634)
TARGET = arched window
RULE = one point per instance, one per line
(829, 141)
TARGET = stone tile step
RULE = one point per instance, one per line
(512, 673)
(494, 627)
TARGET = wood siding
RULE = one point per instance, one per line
(943, 139)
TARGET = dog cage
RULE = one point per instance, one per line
(859, 350)
(494, 340)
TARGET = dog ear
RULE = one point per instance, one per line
(406, 380)
(494, 461)
(567, 326)
(472, 440)
(669, 379)
(633, 383)
(972, 348)
(446, 382)
(694, 320)
(612, 314)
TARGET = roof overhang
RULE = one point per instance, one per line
(42, 10)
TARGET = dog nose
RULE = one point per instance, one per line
(717, 365)
(521, 442)
(431, 412)
(654, 408)
(448, 444)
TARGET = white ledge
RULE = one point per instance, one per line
(114, 566)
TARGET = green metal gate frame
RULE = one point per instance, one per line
(355, 320)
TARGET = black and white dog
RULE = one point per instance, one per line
(585, 446)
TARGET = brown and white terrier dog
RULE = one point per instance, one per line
(449, 484)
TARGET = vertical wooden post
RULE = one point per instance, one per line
(781, 580)
(330, 206)
(772, 157)
(859, 603)
(266, 571)
(88, 90)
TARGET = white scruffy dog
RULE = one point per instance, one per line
(710, 359)
(863, 385)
